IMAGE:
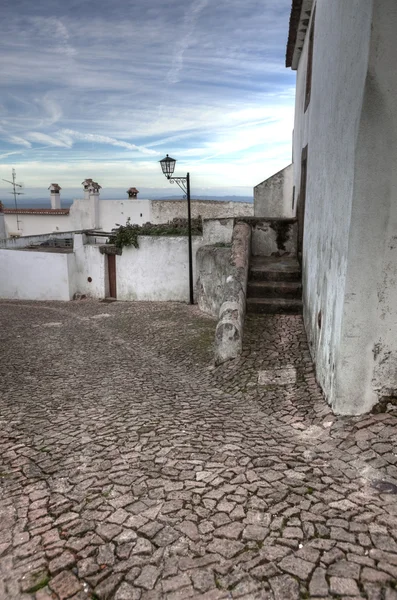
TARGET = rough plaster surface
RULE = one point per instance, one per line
(229, 330)
(165, 210)
(213, 268)
(218, 230)
(29, 275)
(131, 469)
(349, 253)
(157, 270)
(273, 197)
(272, 236)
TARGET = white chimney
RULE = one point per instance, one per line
(55, 196)
(86, 184)
(93, 191)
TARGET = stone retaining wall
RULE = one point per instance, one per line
(229, 331)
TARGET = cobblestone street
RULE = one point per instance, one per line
(132, 469)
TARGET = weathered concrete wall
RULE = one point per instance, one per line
(218, 231)
(157, 270)
(274, 236)
(213, 268)
(367, 363)
(166, 210)
(89, 264)
(30, 275)
(273, 198)
(230, 328)
(350, 222)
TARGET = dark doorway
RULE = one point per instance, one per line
(302, 203)
(112, 275)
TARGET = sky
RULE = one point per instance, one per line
(105, 89)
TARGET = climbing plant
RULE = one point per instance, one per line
(127, 235)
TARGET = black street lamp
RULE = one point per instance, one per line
(168, 166)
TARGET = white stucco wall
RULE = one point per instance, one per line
(273, 197)
(157, 270)
(350, 221)
(108, 213)
(112, 212)
(88, 263)
(370, 314)
(29, 275)
(37, 224)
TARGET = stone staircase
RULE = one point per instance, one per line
(274, 286)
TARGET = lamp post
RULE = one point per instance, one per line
(168, 166)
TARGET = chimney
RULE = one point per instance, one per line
(3, 233)
(86, 184)
(55, 196)
(132, 193)
(93, 191)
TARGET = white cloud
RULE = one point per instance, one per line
(14, 139)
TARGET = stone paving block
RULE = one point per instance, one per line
(186, 472)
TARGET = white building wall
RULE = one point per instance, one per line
(29, 275)
(368, 358)
(273, 198)
(329, 127)
(37, 224)
(157, 270)
(349, 251)
(109, 213)
(113, 212)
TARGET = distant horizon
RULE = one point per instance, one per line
(67, 202)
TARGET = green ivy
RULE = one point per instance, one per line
(127, 235)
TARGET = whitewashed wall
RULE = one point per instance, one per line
(89, 263)
(273, 198)
(112, 212)
(29, 275)
(349, 255)
(37, 224)
(157, 270)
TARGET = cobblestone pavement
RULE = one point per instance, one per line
(132, 469)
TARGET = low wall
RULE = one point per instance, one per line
(166, 210)
(157, 270)
(273, 198)
(229, 331)
(213, 268)
(30, 275)
(89, 276)
(33, 240)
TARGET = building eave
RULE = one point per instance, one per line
(298, 25)
(36, 211)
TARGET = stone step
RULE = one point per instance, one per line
(274, 269)
(274, 289)
(273, 306)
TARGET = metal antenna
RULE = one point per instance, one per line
(15, 185)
